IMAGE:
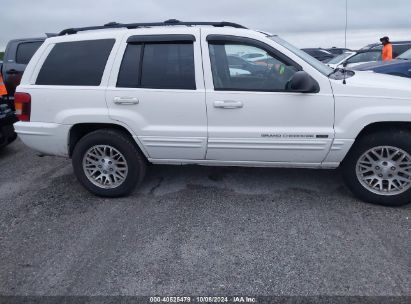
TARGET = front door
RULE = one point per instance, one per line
(252, 116)
(159, 94)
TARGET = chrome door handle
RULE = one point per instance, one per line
(126, 100)
(228, 104)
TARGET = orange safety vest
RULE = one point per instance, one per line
(3, 90)
(387, 52)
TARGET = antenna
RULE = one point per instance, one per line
(346, 22)
(345, 37)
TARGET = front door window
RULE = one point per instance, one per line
(242, 67)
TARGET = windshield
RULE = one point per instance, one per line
(371, 46)
(318, 65)
(406, 55)
(339, 58)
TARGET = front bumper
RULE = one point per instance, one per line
(47, 138)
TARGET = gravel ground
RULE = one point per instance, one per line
(196, 231)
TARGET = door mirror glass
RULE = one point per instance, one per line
(303, 83)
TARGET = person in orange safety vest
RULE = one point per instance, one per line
(386, 49)
(3, 90)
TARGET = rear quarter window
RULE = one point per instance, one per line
(77, 63)
(26, 50)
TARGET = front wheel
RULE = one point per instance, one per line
(107, 163)
(378, 168)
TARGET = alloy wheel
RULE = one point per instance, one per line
(105, 166)
(385, 170)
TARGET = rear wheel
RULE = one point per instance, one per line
(107, 163)
(378, 168)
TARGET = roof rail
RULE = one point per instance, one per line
(170, 22)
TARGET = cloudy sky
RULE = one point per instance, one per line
(306, 23)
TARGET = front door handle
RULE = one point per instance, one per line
(125, 100)
(228, 104)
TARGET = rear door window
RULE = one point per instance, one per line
(400, 48)
(77, 63)
(129, 75)
(26, 50)
(161, 65)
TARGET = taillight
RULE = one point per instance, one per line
(22, 103)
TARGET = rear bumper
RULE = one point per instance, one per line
(47, 138)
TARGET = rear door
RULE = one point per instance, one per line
(157, 90)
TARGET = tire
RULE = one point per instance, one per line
(120, 163)
(395, 194)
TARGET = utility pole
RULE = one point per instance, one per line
(346, 23)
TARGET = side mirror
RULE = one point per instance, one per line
(303, 83)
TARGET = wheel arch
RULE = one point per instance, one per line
(384, 126)
(79, 130)
(379, 127)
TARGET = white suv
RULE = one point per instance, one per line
(119, 96)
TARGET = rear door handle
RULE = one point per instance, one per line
(228, 104)
(126, 100)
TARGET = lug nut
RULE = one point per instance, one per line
(105, 172)
(380, 175)
(99, 166)
(377, 168)
(393, 168)
(111, 169)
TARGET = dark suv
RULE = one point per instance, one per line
(16, 57)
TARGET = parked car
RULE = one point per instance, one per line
(355, 58)
(338, 51)
(401, 66)
(7, 119)
(398, 47)
(252, 57)
(338, 61)
(240, 64)
(319, 54)
(16, 57)
(161, 94)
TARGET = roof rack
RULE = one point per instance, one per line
(170, 22)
